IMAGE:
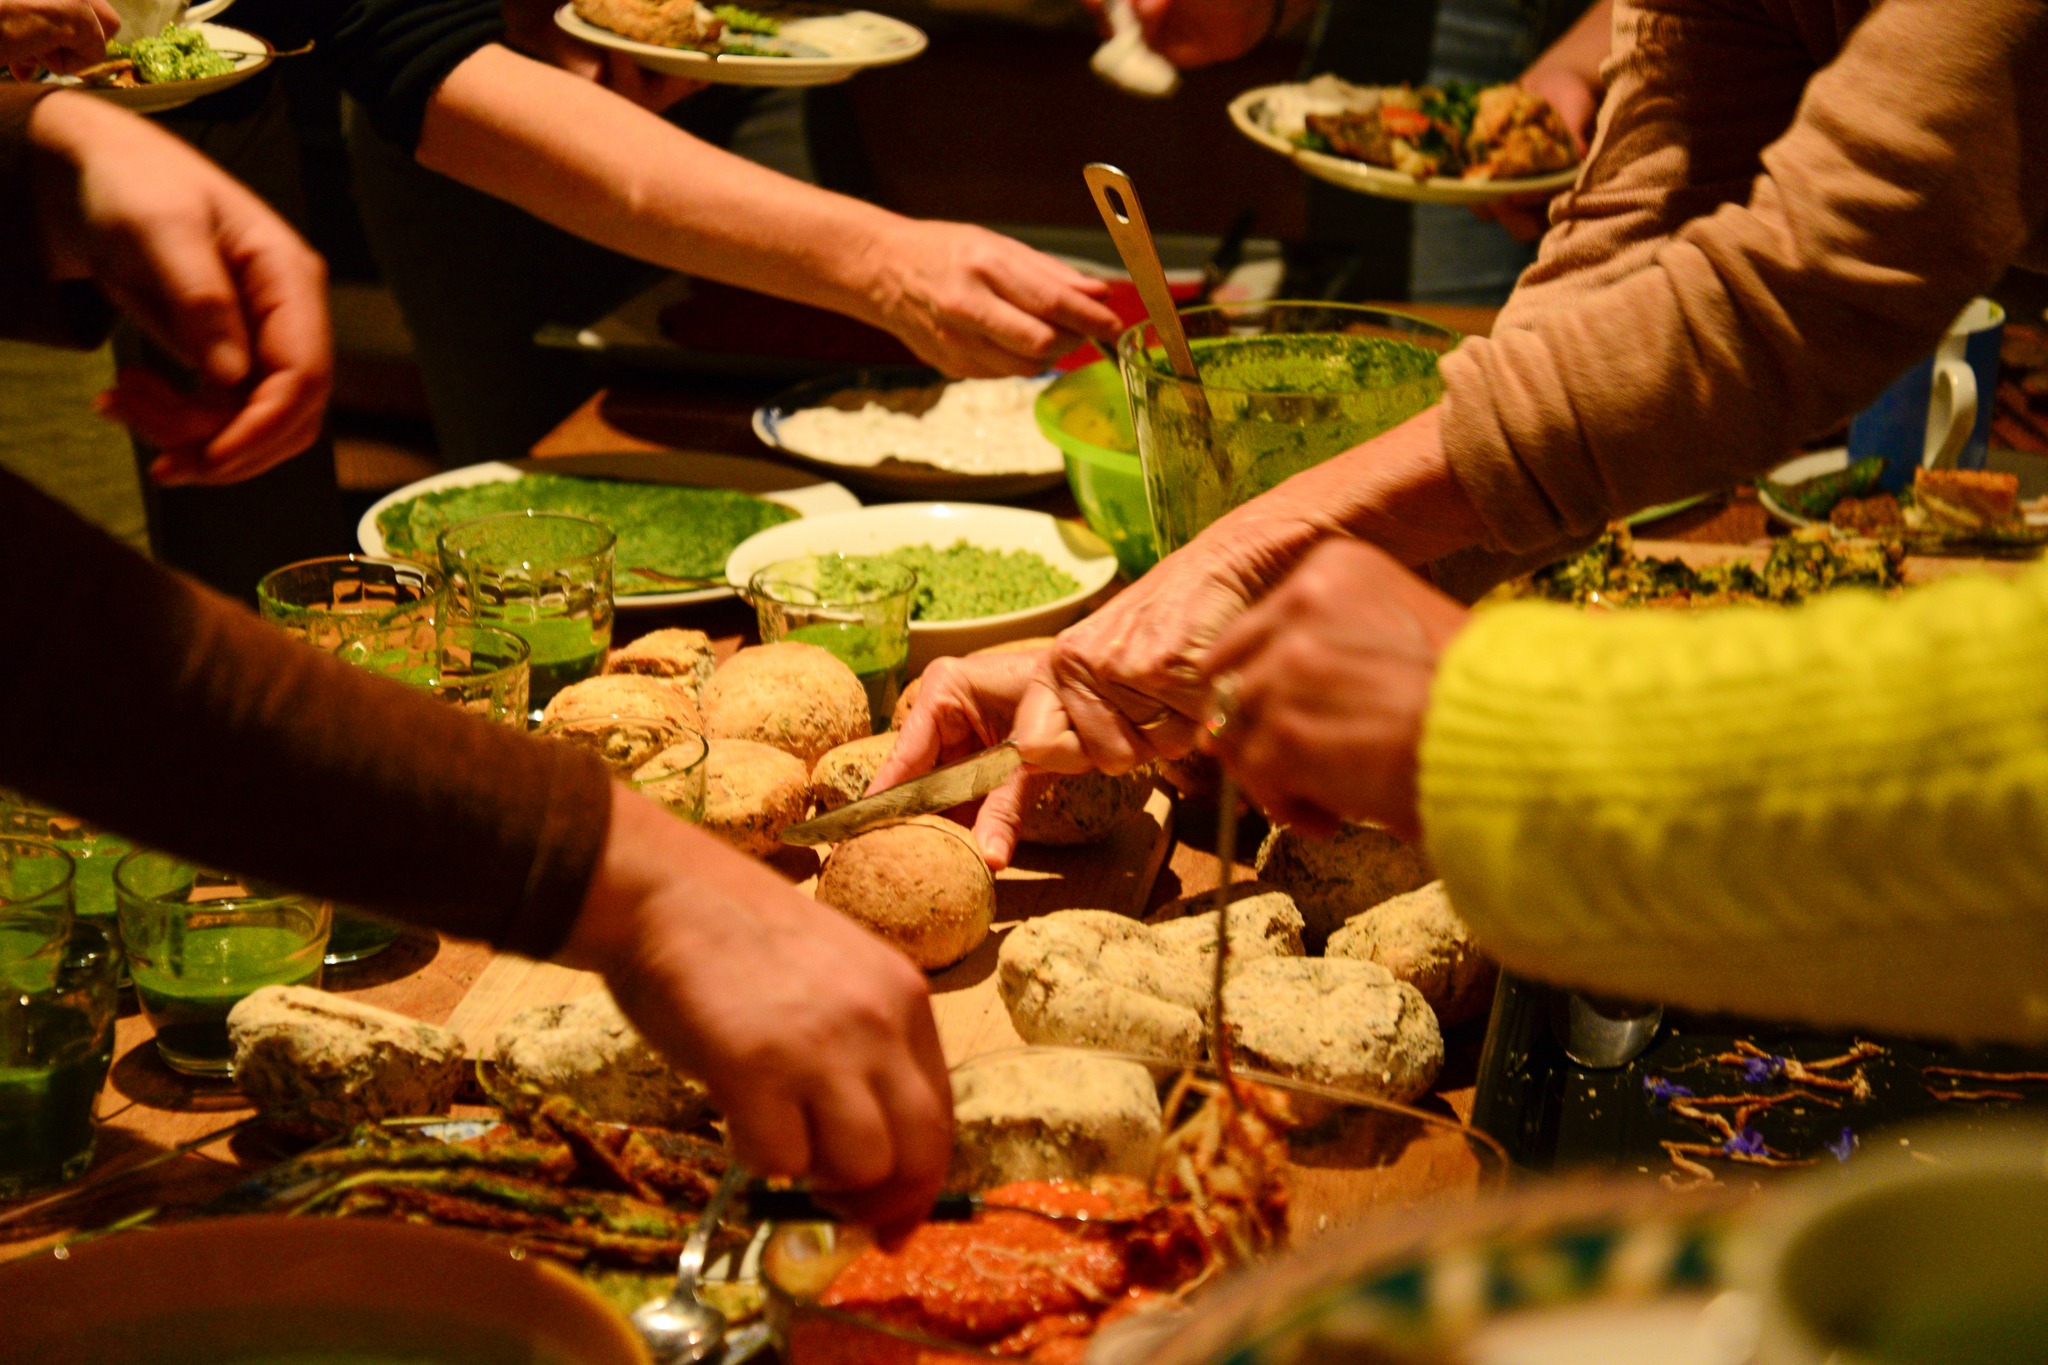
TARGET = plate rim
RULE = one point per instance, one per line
(371, 539)
(1380, 182)
(741, 70)
(176, 94)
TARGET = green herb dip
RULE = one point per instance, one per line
(964, 581)
(674, 530)
(176, 54)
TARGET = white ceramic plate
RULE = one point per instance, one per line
(850, 41)
(250, 52)
(1065, 545)
(1799, 471)
(817, 499)
(1247, 113)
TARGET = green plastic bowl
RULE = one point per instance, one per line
(1086, 414)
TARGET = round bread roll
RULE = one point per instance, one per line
(752, 793)
(796, 697)
(843, 774)
(1420, 939)
(1336, 1021)
(1062, 811)
(1336, 878)
(625, 718)
(684, 658)
(919, 883)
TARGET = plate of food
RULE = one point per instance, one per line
(985, 574)
(173, 68)
(1457, 143)
(677, 517)
(904, 430)
(773, 43)
(1946, 511)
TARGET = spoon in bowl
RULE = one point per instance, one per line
(682, 1329)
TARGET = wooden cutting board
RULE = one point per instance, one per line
(1114, 875)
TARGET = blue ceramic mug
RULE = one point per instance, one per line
(1937, 414)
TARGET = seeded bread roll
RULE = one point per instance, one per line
(1052, 1116)
(1335, 1021)
(1333, 879)
(795, 697)
(843, 774)
(1420, 939)
(1263, 923)
(752, 793)
(588, 1051)
(624, 717)
(919, 883)
(344, 1062)
(1065, 811)
(682, 658)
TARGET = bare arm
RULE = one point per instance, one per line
(965, 299)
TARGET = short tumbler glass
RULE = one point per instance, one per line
(544, 576)
(487, 672)
(856, 606)
(36, 883)
(199, 941)
(675, 777)
(386, 611)
(57, 1007)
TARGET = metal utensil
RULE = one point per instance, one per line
(769, 1205)
(1117, 200)
(940, 789)
(1602, 1034)
(682, 1329)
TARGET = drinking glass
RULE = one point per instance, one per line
(625, 742)
(387, 612)
(1284, 387)
(485, 671)
(56, 1042)
(544, 576)
(675, 777)
(855, 606)
(199, 941)
(36, 880)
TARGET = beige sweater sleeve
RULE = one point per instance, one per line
(1754, 251)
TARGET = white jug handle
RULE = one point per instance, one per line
(196, 14)
(1955, 394)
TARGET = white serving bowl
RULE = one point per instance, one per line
(1066, 545)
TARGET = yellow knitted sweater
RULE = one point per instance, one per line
(1836, 813)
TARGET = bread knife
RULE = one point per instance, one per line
(938, 790)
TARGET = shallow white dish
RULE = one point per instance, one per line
(1810, 466)
(250, 52)
(815, 500)
(1066, 545)
(851, 40)
(1246, 113)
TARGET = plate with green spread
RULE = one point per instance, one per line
(676, 516)
(986, 574)
(177, 66)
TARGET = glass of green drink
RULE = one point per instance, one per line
(544, 576)
(486, 671)
(198, 941)
(93, 850)
(57, 1005)
(1284, 387)
(386, 612)
(36, 883)
(675, 777)
(855, 606)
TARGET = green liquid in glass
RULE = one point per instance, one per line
(357, 936)
(206, 971)
(878, 661)
(55, 1062)
(566, 649)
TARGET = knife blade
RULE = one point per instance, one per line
(940, 789)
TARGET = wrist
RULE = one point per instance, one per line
(632, 870)
(1397, 491)
(60, 130)
(862, 270)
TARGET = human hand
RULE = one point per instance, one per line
(963, 706)
(814, 1036)
(202, 266)
(1568, 76)
(1191, 33)
(530, 28)
(975, 303)
(1331, 677)
(63, 35)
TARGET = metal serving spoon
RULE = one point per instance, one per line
(682, 1329)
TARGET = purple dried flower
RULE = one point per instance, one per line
(1844, 1144)
(1757, 1070)
(1657, 1088)
(1747, 1142)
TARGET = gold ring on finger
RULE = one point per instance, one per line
(1221, 715)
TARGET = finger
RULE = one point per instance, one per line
(1015, 331)
(109, 17)
(918, 1102)
(1245, 638)
(284, 284)
(1061, 298)
(281, 418)
(767, 1131)
(851, 1147)
(997, 823)
(145, 402)
(174, 282)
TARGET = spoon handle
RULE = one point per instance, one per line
(690, 1265)
(1117, 200)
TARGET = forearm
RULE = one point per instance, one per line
(137, 699)
(1833, 814)
(1582, 50)
(595, 165)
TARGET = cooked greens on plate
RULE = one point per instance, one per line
(176, 54)
(672, 530)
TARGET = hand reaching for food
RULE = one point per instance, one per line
(530, 27)
(202, 266)
(64, 36)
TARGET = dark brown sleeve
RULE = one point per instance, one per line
(135, 698)
(32, 307)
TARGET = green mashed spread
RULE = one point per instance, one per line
(176, 54)
(964, 581)
(673, 530)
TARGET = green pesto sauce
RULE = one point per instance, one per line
(964, 581)
(176, 54)
(674, 530)
(1310, 363)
